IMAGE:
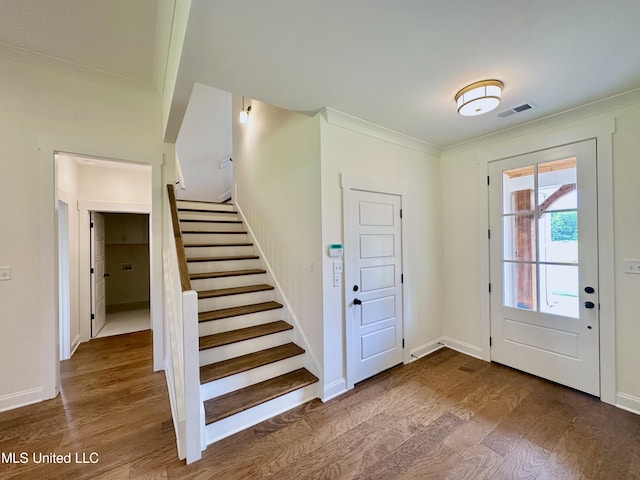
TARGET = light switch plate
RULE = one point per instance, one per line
(5, 273)
(337, 267)
(632, 266)
(336, 280)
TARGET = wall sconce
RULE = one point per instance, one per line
(244, 114)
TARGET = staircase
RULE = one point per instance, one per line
(250, 367)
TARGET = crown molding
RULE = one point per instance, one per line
(344, 120)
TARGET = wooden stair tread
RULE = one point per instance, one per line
(230, 273)
(223, 292)
(242, 334)
(205, 245)
(232, 366)
(221, 232)
(203, 201)
(240, 400)
(204, 210)
(222, 259)
(235, 311)
(188, 220)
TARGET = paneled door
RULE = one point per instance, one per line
(544, 265)
(375, 296)
(98, 293)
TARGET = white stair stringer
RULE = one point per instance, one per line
(250, 377)
(240, 421)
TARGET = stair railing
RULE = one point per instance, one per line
(181, 340)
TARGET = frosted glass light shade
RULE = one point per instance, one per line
(244, 117)
(479, 97)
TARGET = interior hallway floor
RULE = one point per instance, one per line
(130, 320)
(445, 416)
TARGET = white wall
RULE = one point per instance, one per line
(464, 219)
(203, 142)
(46, 112)
(354, 147)
(277, 171)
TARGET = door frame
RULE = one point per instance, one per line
(601, 130)
(84, 220)
(348, 183)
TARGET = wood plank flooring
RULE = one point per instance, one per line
(446, 416)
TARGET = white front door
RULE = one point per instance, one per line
(544, 265)
(374, 296)
(98, 296)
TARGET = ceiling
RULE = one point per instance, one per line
(396, 64)
(399, 63)
(112, 39)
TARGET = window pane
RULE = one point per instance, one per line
(518, 190)
(557, 182)
(520, 285)
(558, 234)
(519, 236)
(559, 288)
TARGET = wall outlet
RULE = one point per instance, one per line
(5, 273)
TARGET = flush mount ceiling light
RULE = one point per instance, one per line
(480, 97)
(244, 114)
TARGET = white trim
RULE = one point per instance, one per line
(334, 389)
(348, 183)
(20, 399)
(314, 366)
(462, 347)
(426, 349)
(75, 344)
(114, 207)
(222, 197)
(601, 128)
(344, 120)
(628, 403)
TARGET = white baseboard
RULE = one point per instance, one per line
(628, 403)
(425, 349)
(20, 399)
(462, 347)
(334, 389)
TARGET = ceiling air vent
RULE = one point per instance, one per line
(520, 108)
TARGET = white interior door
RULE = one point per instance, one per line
(544, 265)
(375, 294)
(98, 295)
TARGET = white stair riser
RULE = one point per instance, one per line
(213, 238)
(240, 321)
(207, 216)
(250, 377)
(223, 265)
(227, 207)
(218, 354)
(228, 282)
(228, 301)
(195, 252)
(240, 421)
(211, 227)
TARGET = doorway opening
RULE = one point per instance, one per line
(125, 274)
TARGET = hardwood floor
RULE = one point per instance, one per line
(446, 416)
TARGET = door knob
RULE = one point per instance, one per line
(589, 305)
(357, 301)
(355, 288)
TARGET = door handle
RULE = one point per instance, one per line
(357, 301)
(105, 275)
(589, 305)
